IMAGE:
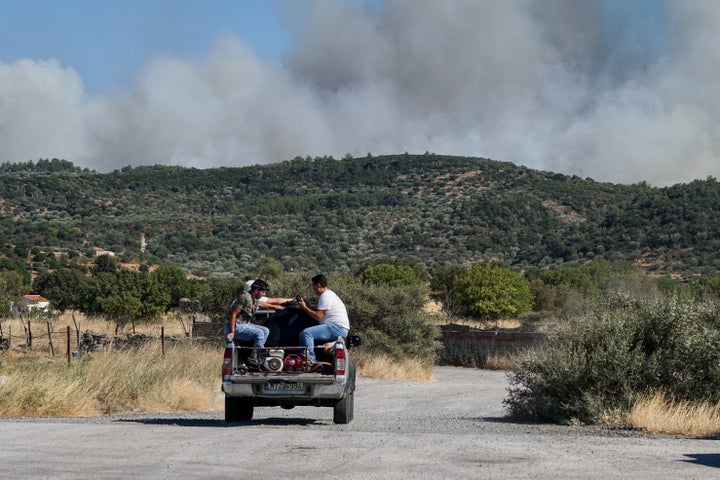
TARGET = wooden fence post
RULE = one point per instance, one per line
(162, 339)
(68, 344)
(49, 329)
(77, 331)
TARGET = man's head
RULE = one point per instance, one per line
(258, 288)
(319, 280)
(319, 284)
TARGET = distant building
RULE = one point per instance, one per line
(101, 251)
(32, 302)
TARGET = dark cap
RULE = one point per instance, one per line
(260, 285)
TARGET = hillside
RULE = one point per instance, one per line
(327, 214)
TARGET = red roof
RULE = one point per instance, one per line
(36, 298)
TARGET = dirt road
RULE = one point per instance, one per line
(453, 428)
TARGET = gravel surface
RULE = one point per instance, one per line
(452, 428)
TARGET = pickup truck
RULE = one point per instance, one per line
(279, 376)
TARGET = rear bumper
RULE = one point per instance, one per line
(314, 388)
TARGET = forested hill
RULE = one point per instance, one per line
(329, 215)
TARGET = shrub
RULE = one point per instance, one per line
(599, 363)
(492, 292)
(390, 319)
(389, 275)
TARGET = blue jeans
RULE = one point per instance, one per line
(325, 332)
(249, 331)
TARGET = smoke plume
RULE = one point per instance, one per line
(613, 90)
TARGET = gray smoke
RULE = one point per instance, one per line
(574, 87)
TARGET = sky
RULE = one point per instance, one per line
(619, 91)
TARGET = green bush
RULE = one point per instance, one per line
(390, 320)
(599, 363)
(217, 294)
(389, 275)
(5, 307)
(489, 291)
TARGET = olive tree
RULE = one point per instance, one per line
(492, 292)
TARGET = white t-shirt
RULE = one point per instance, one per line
(335, 311)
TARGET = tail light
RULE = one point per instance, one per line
(340, 359)
(227, 361)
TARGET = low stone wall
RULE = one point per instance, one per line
(464, 346)
(94, 342)
(208, 330)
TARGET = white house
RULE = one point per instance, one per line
(101, 251)
(32, 302)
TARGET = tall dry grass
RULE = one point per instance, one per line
(387, 368)
(658, 414)
(186, 377)
(500, 361)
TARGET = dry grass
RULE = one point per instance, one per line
(498, 361)
(170, 324)
(658, 414)
(503, 323)
(434, 309)
(30, 387)
(185, 378)
(386, 368)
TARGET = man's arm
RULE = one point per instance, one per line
(274, 303)
(316, 315)
(233, 320)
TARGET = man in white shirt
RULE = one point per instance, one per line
(330, 313)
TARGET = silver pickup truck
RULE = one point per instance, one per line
(279, 376)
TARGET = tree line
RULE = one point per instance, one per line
(327, 214)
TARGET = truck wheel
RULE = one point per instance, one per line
(343, 409)
(238, 409)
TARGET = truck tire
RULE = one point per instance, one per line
(343, 409)
(238, 409)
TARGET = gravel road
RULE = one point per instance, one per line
(452, 428)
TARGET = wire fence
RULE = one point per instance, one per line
(462, 346)
(34, 337)
(47, 337)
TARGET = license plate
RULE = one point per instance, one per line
(284, 387)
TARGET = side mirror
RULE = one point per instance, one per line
(353, 341)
